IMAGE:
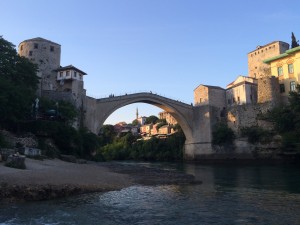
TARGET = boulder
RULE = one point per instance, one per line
(16, 161)
(68, 158)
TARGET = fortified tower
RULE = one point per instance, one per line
(46, 54)
(268, 90)
(56, 82)
(256, 67)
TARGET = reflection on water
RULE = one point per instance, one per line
(228, 195)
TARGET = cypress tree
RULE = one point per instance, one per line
(294, 42)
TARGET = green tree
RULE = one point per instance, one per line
(151, 119)
(18, 84)
(64, 110)
(294, 41)
(135, 122)
(222, 135)
(160, 124)
(286, 120)
(107, 134)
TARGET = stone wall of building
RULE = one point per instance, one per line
(240, 116)
(268, 90)
(168, 117)
(59, 96)
(210, 95)
(46, 54)
(217, 97)
(201, 95)
(256, 67)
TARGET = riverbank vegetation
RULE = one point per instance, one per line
(286, 120)
(286, 126)
(128, 147)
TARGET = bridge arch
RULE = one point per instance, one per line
(103, 108)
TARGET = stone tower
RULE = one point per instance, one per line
(46, 54)
(256, 67)
(268, 90)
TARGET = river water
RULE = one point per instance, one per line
(228, 195)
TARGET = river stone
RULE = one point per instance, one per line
(16, 161)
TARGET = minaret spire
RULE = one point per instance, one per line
(137, 113)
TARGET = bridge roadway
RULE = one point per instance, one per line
(195, 121)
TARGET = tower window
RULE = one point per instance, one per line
(30, 53)
(75, 74)
(36, 46)
(68, 73)
(51, 48)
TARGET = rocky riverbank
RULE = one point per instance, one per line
(49, 179)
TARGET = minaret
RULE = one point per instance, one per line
(137, 113)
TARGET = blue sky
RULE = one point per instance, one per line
(168, 47)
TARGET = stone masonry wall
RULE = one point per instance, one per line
(201, 95)
(57, 96)
(256, 67)
(46, 55)
(217, 98)
(268, 90)
(240, 116)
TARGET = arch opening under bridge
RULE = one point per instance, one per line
(194, 121)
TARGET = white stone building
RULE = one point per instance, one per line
(241, 91)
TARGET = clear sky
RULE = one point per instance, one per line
(168, 47)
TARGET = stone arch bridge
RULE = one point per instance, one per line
(195, 121)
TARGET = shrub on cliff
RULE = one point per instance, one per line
(256, 134)
(222, 134)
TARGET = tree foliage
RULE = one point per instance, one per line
(256, 134)
(222, 135)
(107, 134)
(294, 43)
(135, 122)
(18, 84)
(160, 124)
(64, 110)
(128, 148)
(286, 120)
(151, 119)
